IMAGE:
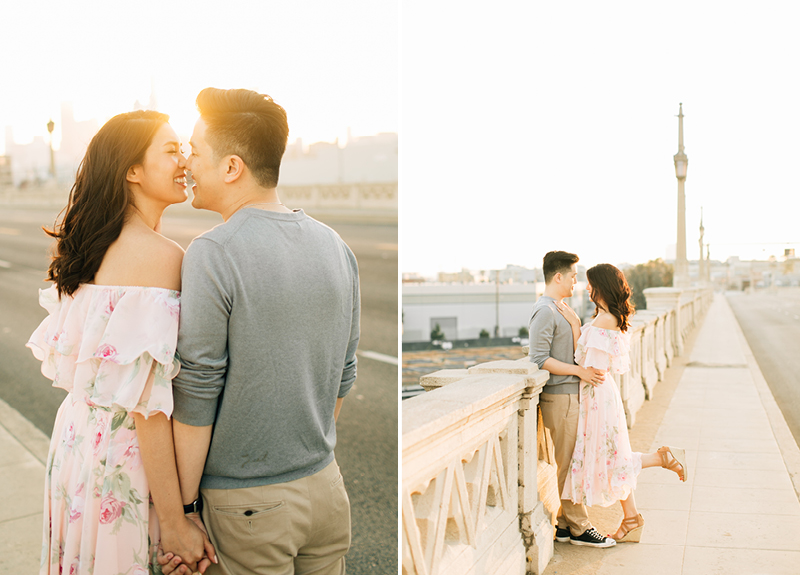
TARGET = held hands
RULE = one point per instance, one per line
(189, 549)
(592, 375)
(569, 314)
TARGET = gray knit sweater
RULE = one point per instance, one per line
(269, 327)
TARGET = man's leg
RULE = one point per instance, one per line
(560, 416)
(329, 539)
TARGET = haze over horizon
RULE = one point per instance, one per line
(313, 62)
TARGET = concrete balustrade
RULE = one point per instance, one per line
(479, 491)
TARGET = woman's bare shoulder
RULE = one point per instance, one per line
(142, 258)
(606, 321)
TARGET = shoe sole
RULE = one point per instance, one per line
(680, 457)
(598, 545)
(562, 539)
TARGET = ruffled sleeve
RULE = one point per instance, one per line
(604, 349)
(112, 347)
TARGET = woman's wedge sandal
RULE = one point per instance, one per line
(631, 528)
(674, 459)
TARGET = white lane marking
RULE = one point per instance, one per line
(378, 356)
(4, 264)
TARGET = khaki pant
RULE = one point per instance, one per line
(298, 527)
(560, 416)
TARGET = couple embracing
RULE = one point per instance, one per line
(204, 388)
(581, 403)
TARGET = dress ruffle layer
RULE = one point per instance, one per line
(111, 346)
(606, 349)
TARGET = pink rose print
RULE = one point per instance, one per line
(69, 436)
(174, 308)
(172, 304)
(73, 569)
(106, 351)
(75, 509)
(97, 440)
(99, 436)
(110, 508)
(109, 308)
(139, 570)
(126, 450)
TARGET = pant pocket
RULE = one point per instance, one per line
(248, 511)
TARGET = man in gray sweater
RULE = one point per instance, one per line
(268, 335)
(552, 348)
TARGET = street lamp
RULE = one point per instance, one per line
(50, 126)
(681, 277)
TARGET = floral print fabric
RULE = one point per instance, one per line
(113, 349)
(604, 469)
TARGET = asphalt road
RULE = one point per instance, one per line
(367, 428)
(770, 321)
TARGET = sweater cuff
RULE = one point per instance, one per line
(194, 411)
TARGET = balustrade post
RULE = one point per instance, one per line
(664, 298)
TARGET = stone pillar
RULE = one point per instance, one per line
(666, 298)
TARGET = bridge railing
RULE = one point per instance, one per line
(479, 488)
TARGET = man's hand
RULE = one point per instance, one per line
(189, 542)
(592, 375)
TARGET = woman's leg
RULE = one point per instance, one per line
(677, 463)
(630, 520)
(651, 459)
(629, 506)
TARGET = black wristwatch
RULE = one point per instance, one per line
(195, 506)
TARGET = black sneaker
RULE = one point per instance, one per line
(592, 538)
(562, 535)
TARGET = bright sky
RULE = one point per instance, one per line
(552, 125)
(331, 65)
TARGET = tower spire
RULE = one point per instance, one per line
(680, 128)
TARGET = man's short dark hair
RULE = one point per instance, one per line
(246, 124)
(557, 263)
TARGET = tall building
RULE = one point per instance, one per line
(6, 180)
(366, 159)
(31, 162)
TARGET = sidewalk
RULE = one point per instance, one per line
(23, 452)
(739, 512)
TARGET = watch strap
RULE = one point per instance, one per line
(195, 506)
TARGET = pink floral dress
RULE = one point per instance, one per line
(604, 468)
(113, 349)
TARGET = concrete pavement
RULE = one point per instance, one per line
(23, 452)
(739, 510)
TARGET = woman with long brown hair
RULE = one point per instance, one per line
(604, 468)
(109, 340)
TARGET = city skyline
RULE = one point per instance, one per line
(357, 158)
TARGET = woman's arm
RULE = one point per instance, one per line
(178, 534)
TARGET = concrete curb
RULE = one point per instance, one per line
(28, 435)
(780, 429)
